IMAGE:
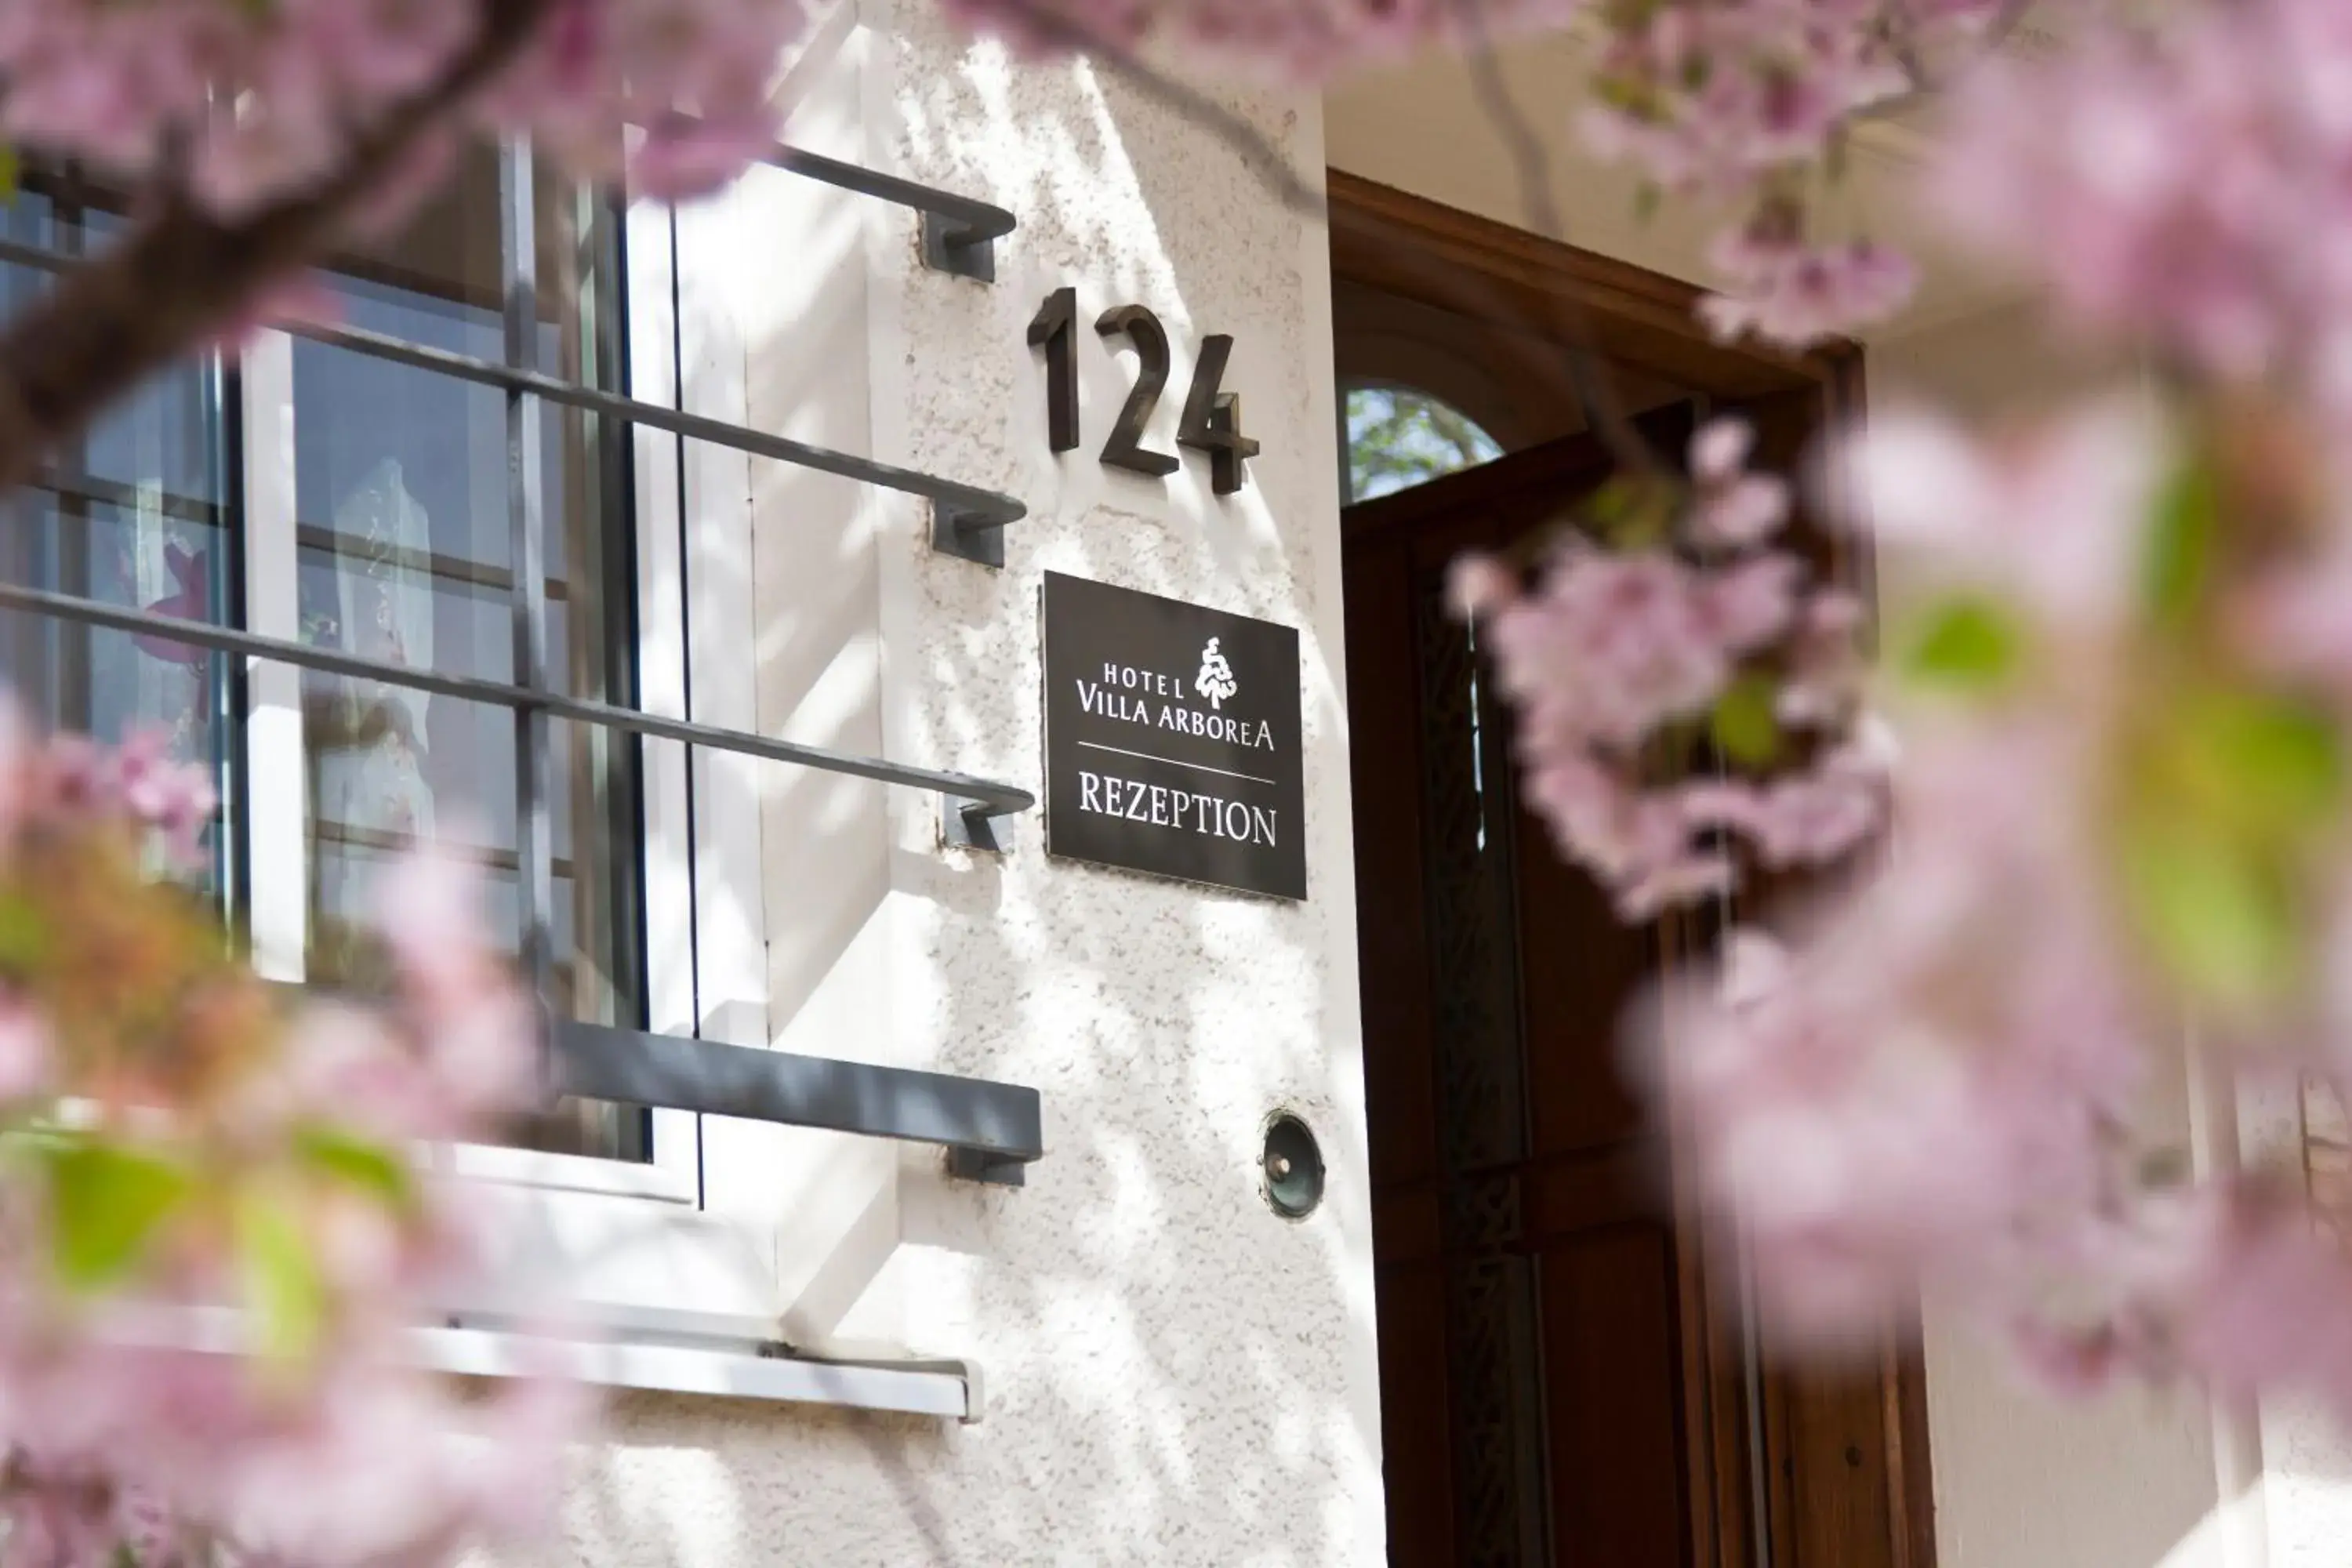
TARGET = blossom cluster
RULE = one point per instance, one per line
(178, 1147)
(2180, 186)
(2124, 803)
(1743, 103)
(1738, 102)
(238, 102)
(1626, 658)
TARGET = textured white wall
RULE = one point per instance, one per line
(1172, 1374)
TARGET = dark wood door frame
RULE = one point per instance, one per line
(1789, 1469)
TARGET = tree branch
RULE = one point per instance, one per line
(1925, 83)
(1604, 411)
(180, 275)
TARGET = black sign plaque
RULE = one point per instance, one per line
(1173, 739)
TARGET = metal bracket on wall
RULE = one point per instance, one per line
(960, 234)
(990, 1130)
(969, 534)
(954, 247)
(973, 824)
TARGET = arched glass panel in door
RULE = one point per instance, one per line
(1399, 437)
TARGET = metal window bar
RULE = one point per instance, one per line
(966, 520)
(979, 796)
(992, 1131)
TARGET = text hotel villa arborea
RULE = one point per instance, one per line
(1173, 739)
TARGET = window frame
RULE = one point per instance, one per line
(276, 884)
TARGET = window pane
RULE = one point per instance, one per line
(1398, 438)
(131, 514)
(400, 480)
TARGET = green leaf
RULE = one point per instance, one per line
(105, 1203)
(1744, 723)
(367, 1166)
(24, 936)
(2181, 545)
(2214, 914)
(2277, 763)
(12, 172)
(283, 1286)
(1631, 513)
(1971, 642)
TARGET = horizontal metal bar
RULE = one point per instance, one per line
(997, 1127)
(997, 797)
(974, 508)
(92, 489)
(970, 221)
(38, 257)
(966, 508)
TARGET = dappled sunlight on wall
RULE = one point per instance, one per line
(1170, 1372)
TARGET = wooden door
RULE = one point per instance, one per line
(1555, 1388)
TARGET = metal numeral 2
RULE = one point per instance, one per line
(1213, 419)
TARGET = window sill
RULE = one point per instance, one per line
(669, 1180)
(715, 1366)
(730, 1368)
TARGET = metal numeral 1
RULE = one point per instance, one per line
(1053, 331)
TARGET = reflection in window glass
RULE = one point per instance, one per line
(403, 535)
(131, 513)
(1398, 438)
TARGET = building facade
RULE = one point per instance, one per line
(1055, 1222)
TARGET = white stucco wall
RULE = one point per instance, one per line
(1172, 1374)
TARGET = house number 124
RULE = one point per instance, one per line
(1213, 419)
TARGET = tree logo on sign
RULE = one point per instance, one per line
(1215, 681)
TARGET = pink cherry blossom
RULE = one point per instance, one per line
(1611, 652)
(331, 1450)
(26, 1063)
(176, 798)
(1796, 295)
(1707, 97)
(2183, 183)
(266, 100)
(1931, 1077)
(1826, 668)
(2052, 516)
(1733, 508)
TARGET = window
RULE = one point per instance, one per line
(323, 490)
(376, 522)
(1397, 438)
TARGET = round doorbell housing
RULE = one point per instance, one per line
(1292, 1166)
